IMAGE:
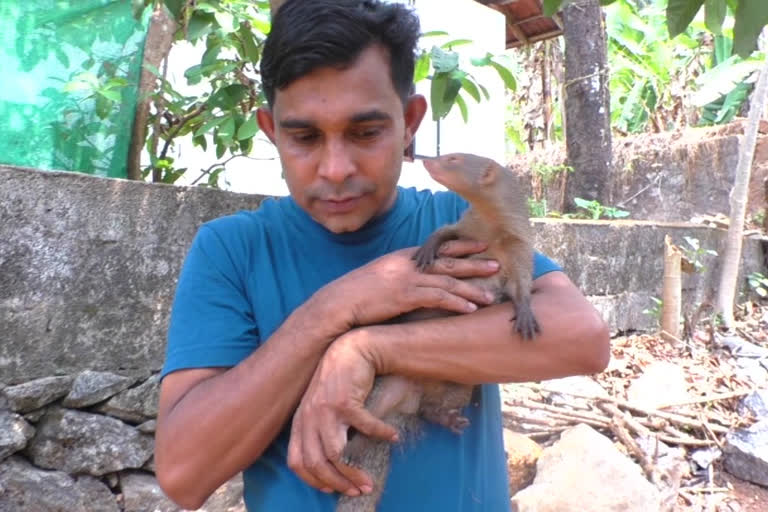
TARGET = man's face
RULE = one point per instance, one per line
(341, 136)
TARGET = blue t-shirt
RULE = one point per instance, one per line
(245, 273)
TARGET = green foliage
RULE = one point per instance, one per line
(548, 172)
(597, 210)
(537, 207)
(449, 80)
(759, 284)
(723, 89)
(695, 253)
(655, 309)
(750, 18)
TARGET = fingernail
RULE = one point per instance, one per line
(326, 490)
(471, 306)
(489, 296)
(493, 264)
(366, 489)
(353, 492)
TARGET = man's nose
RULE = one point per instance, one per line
(336, 163)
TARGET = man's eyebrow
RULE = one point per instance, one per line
(293, 123)
(370, 115)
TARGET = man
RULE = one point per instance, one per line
(278, 325)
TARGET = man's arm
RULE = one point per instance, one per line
(476, 348)
(214, 422)
(482, 347)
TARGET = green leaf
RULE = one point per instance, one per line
(444, 62)
(469, 86)
(551, 7)
(208, 125)
(437, 95)
(200, 25)
(482, 61)
(434, 33)
(456, 42)
(714, 15)
(751, 17)
(175, 7)
(110, 94)
(221, 149)
(201, 141)
(227, 129)
(248, 129)
(506, 75)
(462, 107)
(485, 91)
(226, 21)
(422, 67)
(680, 13)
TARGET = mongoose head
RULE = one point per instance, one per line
(468, 175)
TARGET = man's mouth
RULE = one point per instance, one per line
(341, 205)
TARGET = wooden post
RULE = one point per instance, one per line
(671, 294)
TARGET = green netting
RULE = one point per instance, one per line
(69, 73)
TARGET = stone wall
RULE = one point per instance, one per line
(88, 268)
(672, 176)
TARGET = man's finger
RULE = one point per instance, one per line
(334, 444)
(372, 426)
(462, 268)
(321, 473)
(461, 247)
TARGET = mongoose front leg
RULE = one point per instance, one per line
(525, 321)
(427, 253)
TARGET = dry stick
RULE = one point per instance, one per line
(617, 427)
(643, 410)
(712, 434)
(578, 415)
(712, 398)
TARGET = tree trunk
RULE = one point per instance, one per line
(156, 48)
(671, 293)
(587, 102)
(732, 259)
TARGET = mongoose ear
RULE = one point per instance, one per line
(489, 174)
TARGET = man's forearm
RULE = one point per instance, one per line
(481, 347)
(226, 421)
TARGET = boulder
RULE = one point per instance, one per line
(585, 471)
(14, 433)
(92, 387)
(522, 454)
(135, 405)
(81, 442)
(36, 393)
(25, 488)
(746, 453)
(660, 384)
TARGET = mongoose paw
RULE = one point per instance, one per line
(526, 324)
(449, 418)
(424, 257)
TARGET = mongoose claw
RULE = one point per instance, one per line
(526, 324)
(424, 257)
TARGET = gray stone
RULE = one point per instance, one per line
(34, 416)
(141, 493)
(137, 404)
(755, 403)
(227, 498)
(92, 387)
(740, 347)
(25, 488)
(148, 427)
(37, 393)
(585, 471)
(100, 498)
(706, 456)
(87, 276)
(661, 383)
(80, 442)
(746, 453)
(751, 370)
(14, 433)
(577, 384)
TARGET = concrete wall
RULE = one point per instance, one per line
(88, 268)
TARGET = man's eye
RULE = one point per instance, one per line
(305, 138)
(367, 133)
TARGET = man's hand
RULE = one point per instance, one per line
(391, 285)
(334, 401)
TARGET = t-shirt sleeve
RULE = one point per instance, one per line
(542, 265)
(211, 322)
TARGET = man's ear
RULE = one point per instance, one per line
(415, 109)
(266, 122)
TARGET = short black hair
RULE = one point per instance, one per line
(310, 34)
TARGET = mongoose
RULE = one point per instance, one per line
(498, 216)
